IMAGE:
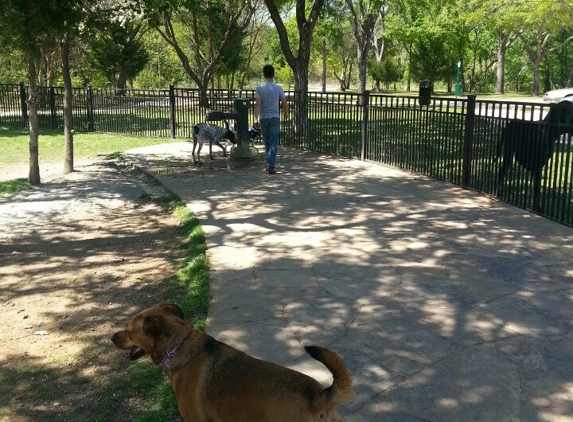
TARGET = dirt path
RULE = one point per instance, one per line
(48, 170)
(79, 256)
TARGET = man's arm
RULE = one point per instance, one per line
(257, 108)
(285, 108)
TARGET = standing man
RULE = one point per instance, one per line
(268, 95)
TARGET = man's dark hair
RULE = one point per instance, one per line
(268, 71)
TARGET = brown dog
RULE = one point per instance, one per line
(215, 382)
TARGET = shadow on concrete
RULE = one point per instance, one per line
(445, 305)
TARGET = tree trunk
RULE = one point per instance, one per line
(324, 65)
(300, 71)
(501, 48)
(362, 59)
(203, 87)
(300, 118)
(68, 115)
(34, 171)
(376, 86)
(121, 85)
(300, 63)
(536, 51)
(342, 77)
(536, 76)
(363, 25)
(409, 80)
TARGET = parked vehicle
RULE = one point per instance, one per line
(556, 95)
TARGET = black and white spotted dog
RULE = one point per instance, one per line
(215, 135)
(254, 132)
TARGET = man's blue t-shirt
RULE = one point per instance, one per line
(270, 94)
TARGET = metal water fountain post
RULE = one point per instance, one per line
(243, 149)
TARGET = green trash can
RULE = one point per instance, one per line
(425, 93)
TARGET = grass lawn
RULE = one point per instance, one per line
(14, 141)
(14, 144)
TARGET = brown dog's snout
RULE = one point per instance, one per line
(132, 351)
(118, 339)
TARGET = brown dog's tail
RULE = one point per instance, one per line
(341, 388)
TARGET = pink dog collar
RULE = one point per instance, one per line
(166, 361)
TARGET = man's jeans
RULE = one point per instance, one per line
(270, 130)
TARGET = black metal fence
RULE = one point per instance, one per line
(465, 141)
(13, 104)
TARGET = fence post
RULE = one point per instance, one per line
(172, 111)
(90, 108)
(23, 104)
(365, 105)
(468, 141)
(52, 102)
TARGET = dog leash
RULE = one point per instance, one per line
(166, 361)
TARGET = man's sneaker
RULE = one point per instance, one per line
(271, 170)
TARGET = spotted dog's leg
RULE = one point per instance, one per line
(218, 143)
(198, 159)
(194, 146)
(224, 148)
(211, 150)
(197, 139)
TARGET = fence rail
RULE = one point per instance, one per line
(465, 141)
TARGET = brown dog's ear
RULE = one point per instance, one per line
(155, 324)
(174, 309)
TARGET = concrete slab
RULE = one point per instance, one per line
(446, 305)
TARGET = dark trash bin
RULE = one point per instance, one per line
(425, 92)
